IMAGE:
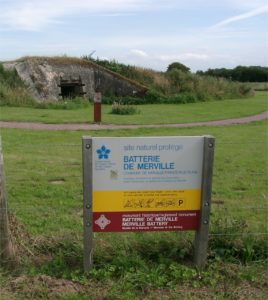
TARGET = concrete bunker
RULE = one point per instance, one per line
(55, 78)
(71, 87)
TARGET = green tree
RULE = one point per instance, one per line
(178, 66)
(240, 73)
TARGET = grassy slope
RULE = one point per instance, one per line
(44, 186)
(149, 114)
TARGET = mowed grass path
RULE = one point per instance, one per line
(149, 114)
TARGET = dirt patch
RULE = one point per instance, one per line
(20, 238)
(6, 295)
(24, 244)
(43, 286)
(243, 291)
(247, 290)
(57, 181)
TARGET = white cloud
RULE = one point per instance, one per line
(183, 57)
(249, 14)
(189, 40)
(35, 15)
(158, 40)
(139, 53)
(161, 60)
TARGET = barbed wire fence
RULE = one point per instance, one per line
(45, 194)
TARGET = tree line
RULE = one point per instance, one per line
(240, 73)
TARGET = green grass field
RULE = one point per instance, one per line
(44, 185)
(41, 159)
(149, 114)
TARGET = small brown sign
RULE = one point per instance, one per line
(97, 98)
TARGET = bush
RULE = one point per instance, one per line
(13, 92)
(122, 100)
(182, 98)
(17, 96)
(122, 109)
(246, 89)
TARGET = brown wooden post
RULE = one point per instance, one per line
(6, 248)
(97, 107)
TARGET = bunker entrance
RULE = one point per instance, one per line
(71, 87)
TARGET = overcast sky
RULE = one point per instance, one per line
(201, 34)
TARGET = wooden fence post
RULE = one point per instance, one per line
(6, 248)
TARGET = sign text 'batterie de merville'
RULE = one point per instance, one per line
(146, 184)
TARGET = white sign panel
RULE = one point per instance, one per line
(153, 163)
(141, 175)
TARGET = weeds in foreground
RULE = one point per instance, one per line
(153, 259)
(137, 264)
(231, 241)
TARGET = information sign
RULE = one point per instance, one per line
(146, 184)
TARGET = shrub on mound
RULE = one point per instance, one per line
(13, 91)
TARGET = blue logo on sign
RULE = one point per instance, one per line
(103, 153)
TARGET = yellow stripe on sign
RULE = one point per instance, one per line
(120, 201)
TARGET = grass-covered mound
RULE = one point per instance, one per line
(175, 85)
